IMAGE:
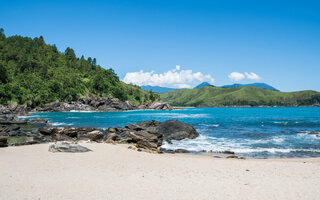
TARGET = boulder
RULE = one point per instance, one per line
(150, 126)
(175, 130)
(67, 147)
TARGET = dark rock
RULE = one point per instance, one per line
(3, 142)
(62, 137)
(95, 135)
(31, 142)
(150, 126)
(111, 138)
(181, 151)
(227, 152)
(47, 130)
(232, 156)
(147, 145)
(123, 137)
(167, 150)
(313, 133)
(70, 131)
(175, 130)
(134, 127)
(67, 147)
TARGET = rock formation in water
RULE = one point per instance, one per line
(148, 135)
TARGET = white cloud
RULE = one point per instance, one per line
(236, 76)
(252, 76)
(175, 78)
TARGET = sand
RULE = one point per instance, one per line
(115, 172)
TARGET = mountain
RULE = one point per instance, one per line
(203, 84)
(35, 73)
(157, 89)
(239, 96)
(257, 85)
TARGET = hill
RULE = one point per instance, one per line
(35, 73)
(157, 89)
(239, 96)
(257, 85)
(203, 84)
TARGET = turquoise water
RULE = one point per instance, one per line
(249, 132)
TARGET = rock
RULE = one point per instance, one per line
(96, 135)
(67, 147)
(111, 138)
(70, 131)
(313, 133)
(3, 142)
(134, 127)
(150, 126)
(146, 140)
(47, 130)
(227, 152)
(175, 130)
(143, 135)
(159, 106)
(110, 129)
(62, 137)
(181, 151)
(232, 157)
(147, 145)
(100, 104)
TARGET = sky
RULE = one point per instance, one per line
(180, 43)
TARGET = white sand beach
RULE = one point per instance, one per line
(115, 172)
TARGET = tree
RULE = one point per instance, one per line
(70, 55)
(3, 74)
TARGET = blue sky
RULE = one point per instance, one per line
(279, 41)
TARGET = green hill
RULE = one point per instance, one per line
(35, 73)
(242, 96)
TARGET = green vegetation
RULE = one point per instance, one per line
(35, 73)
(242, 96)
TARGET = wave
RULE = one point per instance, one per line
(243, 146)
(83, 111)
(210, 125)
(61, 124)
(180, 115)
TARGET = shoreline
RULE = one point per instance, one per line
(171, 151)
(116, 172)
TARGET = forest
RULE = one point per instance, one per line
(34, 73)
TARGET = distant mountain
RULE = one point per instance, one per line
(157, 89)
(203, 84)
(239, 96)
(256, 85)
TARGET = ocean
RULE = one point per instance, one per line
(249, 132)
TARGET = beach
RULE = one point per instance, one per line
(116, 172)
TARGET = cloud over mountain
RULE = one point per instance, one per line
(237, 76)
(175, 78)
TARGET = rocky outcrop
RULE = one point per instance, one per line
(175, 130)
(67, 147)
(100, 104)
(148, 135)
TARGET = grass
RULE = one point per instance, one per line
(242, 96)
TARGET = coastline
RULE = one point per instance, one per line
(116, 172)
